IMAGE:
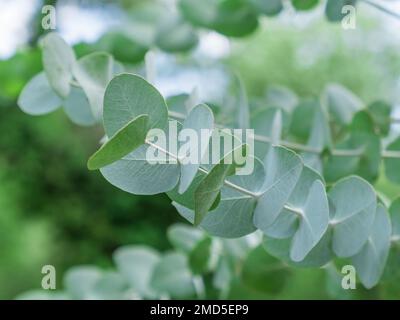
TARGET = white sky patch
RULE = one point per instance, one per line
(77, 24)
(14, 17)
(213, 45)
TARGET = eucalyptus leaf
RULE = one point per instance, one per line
(199, 118)
(287, 222)
(235, 18)
(128, 96)
(320, 139)
(353, 206)
(184, 237)
(210, 187)
(37, 97)
(243, 109)
(313, 224)
(339, 101)
(319, 256)
(126, 140)
(200, 256)
(370, 261)
(333, 9)
(173, 277)
(304, 4)
(177, 103)
(276, 129)
(283, 168)
(94, 72)
(122, 47)
(199, 13)
(79, 281)
(269, 8)
(136, 264)
(265, 122)
(78, 109)
(233, 217)
(58, 62)
(175, 35)
(111, 286)
(303, 117)
(367, 148)
(264, 273)
(134, 174)
(282, 97)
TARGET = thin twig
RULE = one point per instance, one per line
(382, 8)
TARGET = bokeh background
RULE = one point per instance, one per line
(54, 211)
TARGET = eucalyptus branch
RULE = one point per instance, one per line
(304, 148)
(227, 183)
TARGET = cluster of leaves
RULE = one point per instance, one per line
(286, 195)
(238, 18)
(197, 267)
(172, 29)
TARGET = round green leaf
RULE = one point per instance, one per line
(172, 276)
(94, 72)
(313, 222)
(134, 174)
(370, 261)
(353, 206)
(304, 4)
(264, 273)
(199, 118)
(38, 97)
(136, 264)
(126, 140)
(174, 35)
(79, 281)
(281, 97)
(122, 47)
(200, 256)
(78, 109)
(234, 18)
(233, 217)
(333, 9)
(340, 102)
(287, 222)
(128, 96)
(319, 256)
(283, 168)
(184, 237)
(269, 8)
(58, 62)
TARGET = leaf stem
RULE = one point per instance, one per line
(390, 154)
(226, 182)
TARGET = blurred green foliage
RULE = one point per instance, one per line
(54, 211)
